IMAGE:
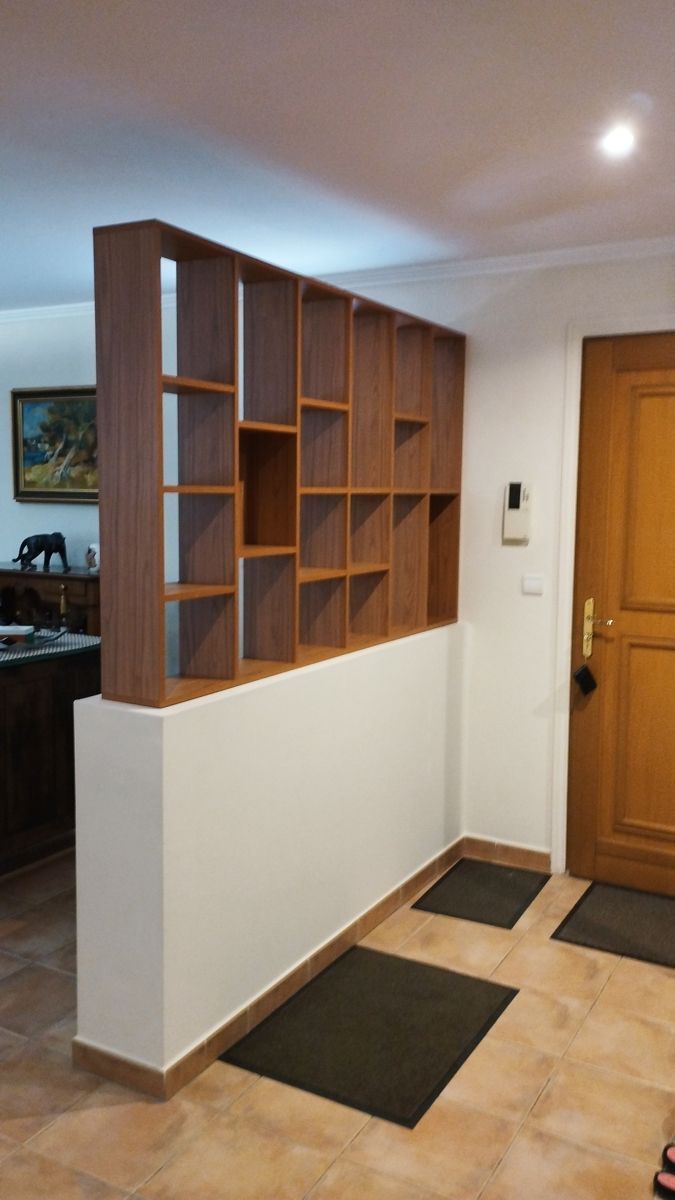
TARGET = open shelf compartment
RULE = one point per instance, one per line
(269, 350)
(323, 448)
(267, 488)
(372, 398)
(199, 645)
(448, 391)
(323, 531)
(409, 564)
(325, 333)
(443, 559)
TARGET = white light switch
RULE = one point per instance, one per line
(533, 585)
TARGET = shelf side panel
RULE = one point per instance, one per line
(205, 319)
(268, 609)
(446, 429)
(270, 351)
(129, 415)
(409, 563)
(443, 559)
(373, 401)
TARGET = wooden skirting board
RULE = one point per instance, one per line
(164, 1084)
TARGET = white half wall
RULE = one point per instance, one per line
(222, 841)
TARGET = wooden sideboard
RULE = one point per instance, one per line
(37, 765)
(43, 597)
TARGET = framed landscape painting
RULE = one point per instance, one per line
(55, 444)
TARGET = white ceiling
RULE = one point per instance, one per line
(329, 135)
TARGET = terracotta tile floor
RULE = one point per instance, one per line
(570, 1095)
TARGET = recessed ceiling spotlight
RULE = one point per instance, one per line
(618, 141)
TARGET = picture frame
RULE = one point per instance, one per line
(55, 445)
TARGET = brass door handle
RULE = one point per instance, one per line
(590, 621)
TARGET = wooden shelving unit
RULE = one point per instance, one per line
(289, 491)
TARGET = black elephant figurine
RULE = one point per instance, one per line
(49, 543)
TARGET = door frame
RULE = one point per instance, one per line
(604, 325)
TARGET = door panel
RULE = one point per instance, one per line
(621, 812)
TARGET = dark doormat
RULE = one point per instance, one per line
(378, 1032)
(482, 891)
(623, 921)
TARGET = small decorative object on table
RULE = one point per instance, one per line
(93, 556)
(39, 543)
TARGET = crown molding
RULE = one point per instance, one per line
(448, 269)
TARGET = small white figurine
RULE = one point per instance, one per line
(93, 556)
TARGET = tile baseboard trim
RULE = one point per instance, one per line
(163, 1084)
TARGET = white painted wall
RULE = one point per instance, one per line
(522, 398)
(222, 841)
(51, 347)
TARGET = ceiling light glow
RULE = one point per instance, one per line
(618, 141)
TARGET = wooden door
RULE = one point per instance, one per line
(621, 812)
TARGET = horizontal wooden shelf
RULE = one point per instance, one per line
(371, 491)
(315, 574)
(182, 384)
(451, 493)
(201, 489)
(196, 591)
(401, 491)
(267, 427)
(331, 405)
(411, 418)
(249, 551)
(399, 631)
(368, 568)
(323, 491)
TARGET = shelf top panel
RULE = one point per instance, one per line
(368, 568)
(331, 405)
(249, 551)
(196, 591)
(200, 489)
(180, 245)
(266, 427)
(316, 574)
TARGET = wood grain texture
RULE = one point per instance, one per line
(206, 637)
(413, 370)
(620, 823)
(129, 400)
(270, 351)
(324, 349)
(268, 488)
(443, 559)
(323, 448)
(409, 563)
(268, 603)
(447, 413)
(205, 436)
(205, 301)
(373, 401)
(370, 529)
(369, 605)
(411, 455)
(323, 531)
(323, 613)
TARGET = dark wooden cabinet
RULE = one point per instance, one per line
(37, 784)
(45, 597)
